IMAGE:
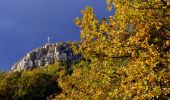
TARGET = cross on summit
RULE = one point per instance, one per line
(48, 40)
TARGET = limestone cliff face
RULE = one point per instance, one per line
(45, 55)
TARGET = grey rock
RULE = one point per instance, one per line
(43, 56)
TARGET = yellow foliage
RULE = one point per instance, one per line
(138, 32)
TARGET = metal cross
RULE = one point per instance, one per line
(48, 40)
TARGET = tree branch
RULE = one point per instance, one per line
(104, 55)
(164, 2)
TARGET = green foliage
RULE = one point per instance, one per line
(1, 75)
(29, 85)
(36, 85)
(90, 79)
(40, 83)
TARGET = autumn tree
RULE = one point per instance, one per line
(136, 35)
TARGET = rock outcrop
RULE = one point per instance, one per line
(46, 55)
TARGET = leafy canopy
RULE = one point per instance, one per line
(139, 32)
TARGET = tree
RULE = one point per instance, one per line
(26, 85)
(138, 34)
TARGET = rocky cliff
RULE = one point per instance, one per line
(45, 55)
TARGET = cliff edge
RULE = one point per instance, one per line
(46, 55)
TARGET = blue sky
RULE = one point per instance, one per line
(26, 24)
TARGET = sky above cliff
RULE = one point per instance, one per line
(26, 24)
